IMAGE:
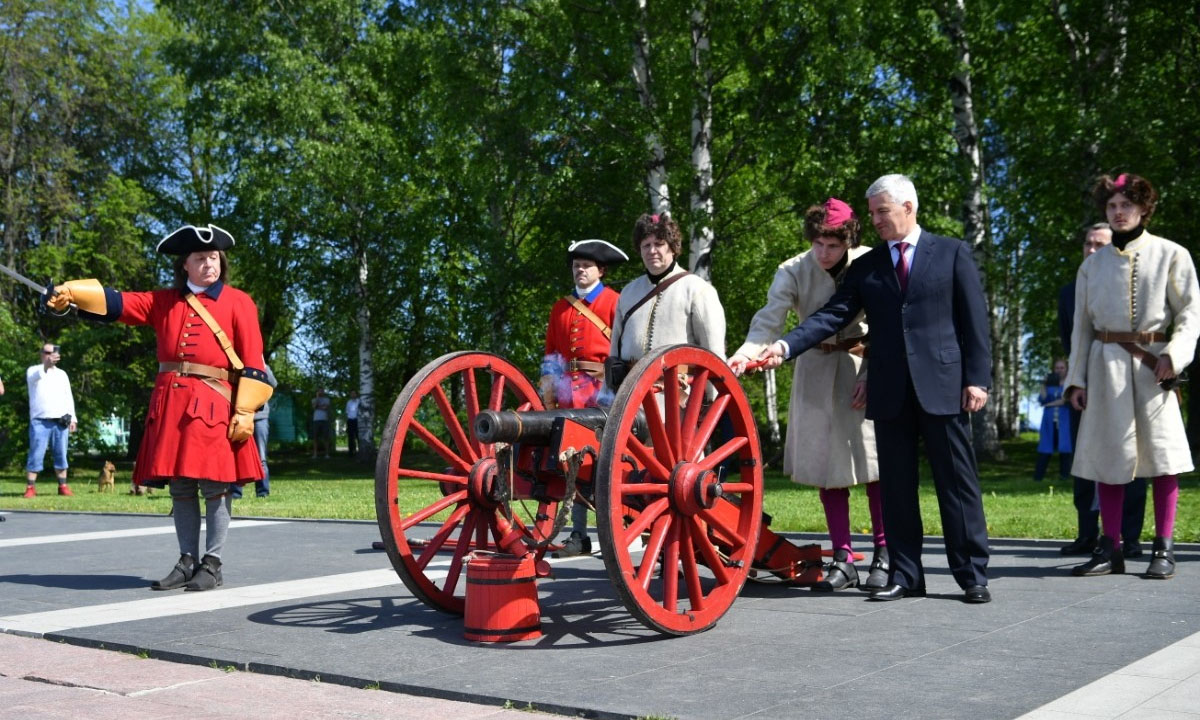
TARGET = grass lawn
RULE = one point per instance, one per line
(339, 488)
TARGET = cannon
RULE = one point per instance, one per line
(471, 461)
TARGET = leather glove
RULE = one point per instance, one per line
(88, 295)
(251, 395)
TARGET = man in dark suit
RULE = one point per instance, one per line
(930, 365)
(1134, 511)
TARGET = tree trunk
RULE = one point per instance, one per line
(656, 168)
(974, 210)
(701, 243)
(366, 364)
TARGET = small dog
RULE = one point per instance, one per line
(106, 481)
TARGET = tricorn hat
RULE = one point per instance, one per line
(190, 239)
(598, 251)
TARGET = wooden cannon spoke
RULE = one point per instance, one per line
(714, 562)
(653, 549)
(644, 520)
(497, 396)
(422, 515)
(727, 534)
(720, 454)
(692, 413)
(471, 396)
(643, 489)
(646, 456)
(658, 432)
(450, 418)
(691, 570)
(460, 551)
(439, 538)
(426, 475)
(438, 446)
(671, 407)
(670, 569)
(707, 426)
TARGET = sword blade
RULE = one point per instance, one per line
(21, 279)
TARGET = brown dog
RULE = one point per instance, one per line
(106, 481)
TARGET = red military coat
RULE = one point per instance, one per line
(573, 336)
(188, 420)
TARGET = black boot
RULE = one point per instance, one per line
(1162, 559)
(1106, 560)
(208, 574)
(881, 566)
(179, 575)
(839, 574)
(1080, 546)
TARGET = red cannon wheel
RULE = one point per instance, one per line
(438, 490)
(677, 528)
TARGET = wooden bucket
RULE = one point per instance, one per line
(502, 601)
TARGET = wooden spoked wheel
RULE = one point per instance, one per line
(679, 512)
(440, 493)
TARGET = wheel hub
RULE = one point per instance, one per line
(693, 488)
(481, 483)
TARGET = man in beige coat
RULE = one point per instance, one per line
(1128, 297)
(830, 444)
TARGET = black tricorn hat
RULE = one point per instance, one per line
(190, 239)
(598, 251)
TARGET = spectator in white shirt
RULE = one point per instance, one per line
(352, 422)
(51, 419)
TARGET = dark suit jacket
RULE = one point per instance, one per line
(1066, 315)
(937, 333)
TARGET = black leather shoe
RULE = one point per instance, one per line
(881, 567)
(1106, 560)
(977, 595)
(208, 575)
(1131, 549)
(839, 574)
(1162, 559)
(895, 592)
(179, 576)
(1080, 546)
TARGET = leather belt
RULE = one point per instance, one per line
(853, 346)
(1106, 336)
(190, 368)
(590, 368)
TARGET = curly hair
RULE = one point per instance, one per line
(1135, 187)
(661, 227)
(848, 232)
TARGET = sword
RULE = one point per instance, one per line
(47, 294)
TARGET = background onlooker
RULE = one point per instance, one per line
(320, 420)
(262, 432)
(1055, 434)
(51, 419)
(352, 423)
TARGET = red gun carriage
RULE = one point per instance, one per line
(470, 461)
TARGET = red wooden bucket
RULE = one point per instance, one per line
(502, 601)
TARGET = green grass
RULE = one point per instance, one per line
(340, 488)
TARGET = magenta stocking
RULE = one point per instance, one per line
(1112, 503)
(1166, 495)
(875, 502)
(837, 516)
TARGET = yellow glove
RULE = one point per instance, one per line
(88, 295)
(251, 395)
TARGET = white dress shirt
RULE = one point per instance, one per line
(49, 393)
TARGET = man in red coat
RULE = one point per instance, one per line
(577, 341)
(199, 428)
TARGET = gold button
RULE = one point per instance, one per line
(182, 344)
(182, 354)
(176, 385)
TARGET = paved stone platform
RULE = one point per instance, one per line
(312, 600)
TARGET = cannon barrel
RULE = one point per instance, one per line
(532, 426)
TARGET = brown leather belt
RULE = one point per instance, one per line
(853, 346)
(1106, 336)
(190, 368)
(591, 368)
(209, 374)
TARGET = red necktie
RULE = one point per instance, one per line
(902, 267)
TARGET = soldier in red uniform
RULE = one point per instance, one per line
(577, 341)
(199, 428)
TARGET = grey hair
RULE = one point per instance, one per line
(898, 187)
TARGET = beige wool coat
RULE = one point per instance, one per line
(829, 444)
(688, 311)
(1132, 427)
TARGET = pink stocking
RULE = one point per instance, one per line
(1166, 495)
(837, 516)
(1112, 503)
(875, 502)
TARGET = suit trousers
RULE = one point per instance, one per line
(947, 440)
